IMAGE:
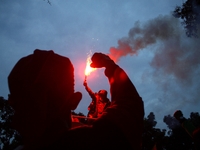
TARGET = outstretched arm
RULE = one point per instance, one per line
(90, 92)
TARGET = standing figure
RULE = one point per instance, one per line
(99, 102)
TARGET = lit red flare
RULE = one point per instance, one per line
(88, 69)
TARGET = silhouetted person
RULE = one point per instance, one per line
(42, 94)
(189, 128)
(99, 102)
(186, 124)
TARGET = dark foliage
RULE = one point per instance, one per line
(8, 136)
(178, 135)
(189, 13)
(195, 119)
(179, 139)
(153, 137)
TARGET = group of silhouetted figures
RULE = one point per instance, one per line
(42, 95)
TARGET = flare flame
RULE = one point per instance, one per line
(88, 69)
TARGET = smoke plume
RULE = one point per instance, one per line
(176, 63)
(161, 28)
(175, 53)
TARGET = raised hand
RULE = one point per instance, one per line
(100, 60)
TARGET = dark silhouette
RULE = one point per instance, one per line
(171, 122)
(42, 94)
(188, 126)
(190, 15)
(185, 123)
(152, 137)
(99, 102)
(6, 133)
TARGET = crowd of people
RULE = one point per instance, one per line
(43, 97)
(42, 94)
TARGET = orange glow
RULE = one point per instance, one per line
(88, 69)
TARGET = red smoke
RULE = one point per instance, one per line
(123, 50)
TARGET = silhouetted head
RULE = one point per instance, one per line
(42, 94)
(178, 115)
(103, 94)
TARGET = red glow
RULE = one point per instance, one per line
(88, 69)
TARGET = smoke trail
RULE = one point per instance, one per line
(175, 54)
(161, 28)
(176, 63)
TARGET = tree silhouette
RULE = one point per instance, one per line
(152, 137)
(175, 139)
(195, 119)
(9, 138)
(190, 15)
(179, 138)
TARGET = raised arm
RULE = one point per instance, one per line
(126, 110)
(121, 87)
(90, 92)
(121, 124)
